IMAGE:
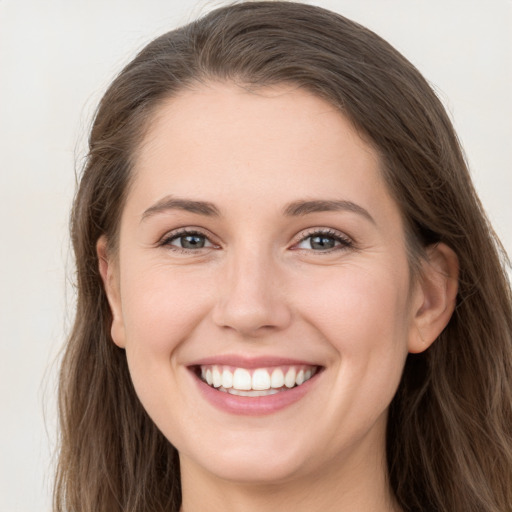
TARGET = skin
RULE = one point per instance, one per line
(258, 287)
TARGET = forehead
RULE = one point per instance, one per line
(269, 145)
(261, 116)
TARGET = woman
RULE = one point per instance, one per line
(289, 297)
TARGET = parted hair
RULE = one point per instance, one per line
(449, 436)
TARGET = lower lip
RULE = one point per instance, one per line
(257, 405)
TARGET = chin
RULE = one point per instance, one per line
(251, 462)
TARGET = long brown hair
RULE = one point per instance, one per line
(449, 444)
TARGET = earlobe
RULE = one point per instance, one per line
(110, 283)
(437, 291)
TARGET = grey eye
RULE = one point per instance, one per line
(319, 242)
(322, 242)
(189, 241)
(192, 241)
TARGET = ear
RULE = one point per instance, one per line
(110, 277)
(434, 297)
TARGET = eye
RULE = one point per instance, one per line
(187, 240)
(324, 241)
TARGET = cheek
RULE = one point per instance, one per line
(351, 303)
(161, 307)
(365, 318)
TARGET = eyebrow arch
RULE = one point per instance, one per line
(176, 203)
(299, 208)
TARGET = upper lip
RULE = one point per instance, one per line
(238, 361)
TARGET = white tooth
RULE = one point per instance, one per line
(308, 374)
(242, 379)
(300, 377)
(208, 377)
(217, 379)
(289, 380)
(260, 379)
(227, 379)
(277, 380)
(203, 373)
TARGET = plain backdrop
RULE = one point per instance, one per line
(56, 59)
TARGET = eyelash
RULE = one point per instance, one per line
(175, 235)
(344, 241)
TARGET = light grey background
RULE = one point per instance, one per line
(57, 57)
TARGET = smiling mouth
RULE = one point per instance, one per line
(255, 382)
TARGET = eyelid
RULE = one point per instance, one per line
(346, 241)
(165, 240)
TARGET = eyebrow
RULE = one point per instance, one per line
(300, 208)
(188, 205)
(294, 209)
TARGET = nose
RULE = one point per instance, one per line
(251, 296)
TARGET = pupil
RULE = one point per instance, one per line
(192, 242)
(322, 242)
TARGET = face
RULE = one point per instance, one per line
(262, 289)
